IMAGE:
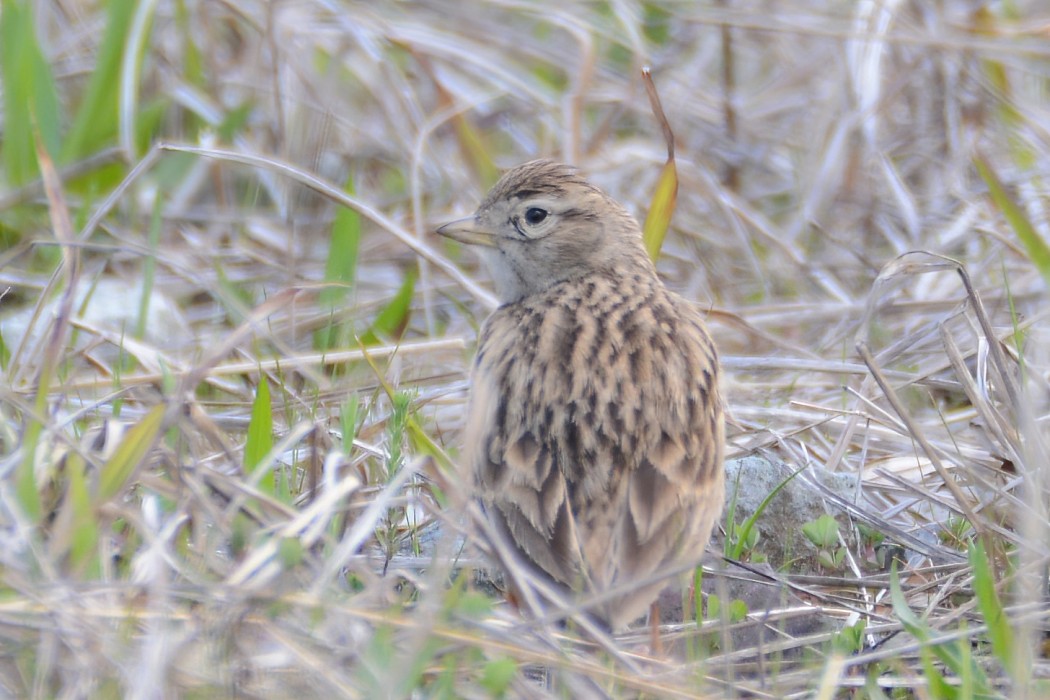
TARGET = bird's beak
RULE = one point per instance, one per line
(468, 231)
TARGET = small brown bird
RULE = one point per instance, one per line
(595, 426)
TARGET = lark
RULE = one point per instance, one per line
(595, 423)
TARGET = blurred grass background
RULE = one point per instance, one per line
(233, 354)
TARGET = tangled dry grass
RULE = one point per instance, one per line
(234, 354)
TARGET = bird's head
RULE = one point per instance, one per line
(542, 223)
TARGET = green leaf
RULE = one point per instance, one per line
(340, 272)
(260, 433)
(917, 628)
(84, 532)
(235, 121)
(423, 444)
(497, 676)
(698, 586)
(661, 209)
(822, 532)
(290, 552)
(745, 530)
(348, 423)
(714, 606)
(95, 124)
(130, 453)
(870, 535)
(148, 123)
(26, 492)
(903, 611)
(341, 264)
(850, 639)
(30, 98)
(473, 605)
(954, 656)
(737, 610)
(474, 147)
(149, 266)
(825, 559)
(393, 319)
(193, 61)
(5, 354)
(1037, 248)
(396, 426)
(130, 72)
(991, 607)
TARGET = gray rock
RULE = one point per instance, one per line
(750, 480)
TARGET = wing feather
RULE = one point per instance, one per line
(610, 473)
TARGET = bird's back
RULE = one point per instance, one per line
(597, 433)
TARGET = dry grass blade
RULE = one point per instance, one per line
(962, 501)
(662, 206)
(1037, 247)
(337, 195)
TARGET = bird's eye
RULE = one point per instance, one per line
(534, 215)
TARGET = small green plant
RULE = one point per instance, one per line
(738, 538)
(871, 544)
(339, 276)
(400, 520)
(259, 441)
(744, 540)
(955, 656)
(728, 614)
(957, 533)
(870, 537)
(736, 611)
(824, 534)
(850, 639)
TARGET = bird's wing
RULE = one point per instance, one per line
(675, 489)
(512, 454)
(598, 473)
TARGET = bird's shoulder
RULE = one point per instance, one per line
(609, 367)
(599, 398)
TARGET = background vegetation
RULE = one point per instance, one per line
(233, 358)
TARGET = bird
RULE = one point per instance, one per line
(594, 434)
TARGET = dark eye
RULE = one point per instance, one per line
(534, 215)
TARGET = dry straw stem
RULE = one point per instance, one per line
(344, 199)
(961, 500)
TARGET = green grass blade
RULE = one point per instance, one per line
(392, 320)
(84, 532)
(5, 354)
(918, 629)
(260, 433)
(474, 147)
(1037, 248)
(340, 272)
(999, 632)
(235, 122)
(661, 209)
(95, 124)
(193, 61)
(343, 248)
(29, 93)
(745, 529)
(129, 455)
(26, 492)
(665, 198)
(141, 25)
(955, 656)
(424, 444)
(149, 268)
